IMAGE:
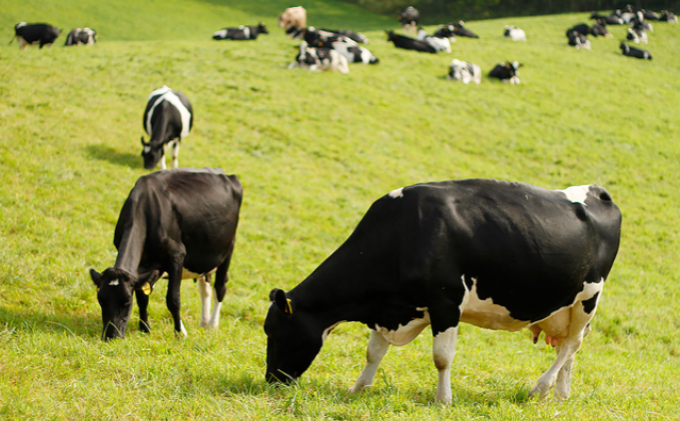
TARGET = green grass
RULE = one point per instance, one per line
(313, 151)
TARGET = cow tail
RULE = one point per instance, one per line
(13, 38)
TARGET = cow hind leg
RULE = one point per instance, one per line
(443, 351)
(175, 154)
(206, 294)
(377, 348)
(221, 279)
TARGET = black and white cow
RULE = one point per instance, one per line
(513, 33)
(446, 31)
(460, 30)
(409, 19)
(507, 71)
(636, 35)
(609, 20)
(464, 71)
(355, 53)
(354, 36)
(320, 37)
(401, 41)
(581, 28)
(181, 222)
(629, 51)
(81, 36)
(168, 118)
(640, 24)
(242, 33)
(314, 59)
(439, 44)
(578, 40)
(35, 33)
(627, 17)
(498, 255)
(599, 29)
(669, 17)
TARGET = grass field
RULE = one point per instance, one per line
(313, 151)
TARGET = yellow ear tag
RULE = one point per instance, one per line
(146, 289)
(290, 308)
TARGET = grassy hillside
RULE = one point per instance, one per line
(313, 151)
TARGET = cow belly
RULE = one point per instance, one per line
(407, 333)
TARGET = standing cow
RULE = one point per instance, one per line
(167, 120)
(409, 19)
(81, 36)
(181, 222)
(293, 17)
(494, 254)
(35, 33)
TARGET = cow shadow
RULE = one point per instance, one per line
(79, 326)
(107, 153)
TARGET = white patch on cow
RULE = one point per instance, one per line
(576, 194)
(22, 24)
(397, 193)
(486, 314)
(182, 329)
(407, 333)
(215, 318)
(166, 94)
(113, 283)
(590, 289)
(246, 32)
(147, 149)
(222, 34)
(327, 331)
(206, 294)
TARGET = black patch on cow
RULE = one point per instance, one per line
(590, 304)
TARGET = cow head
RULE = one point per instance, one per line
(115, 288)
(390, 35)
(151, 154)
(262, 29)
(292, 340)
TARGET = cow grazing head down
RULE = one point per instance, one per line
(151, 154)
(115, 289)
(292, 342)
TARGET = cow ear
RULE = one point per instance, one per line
(278, 297)
(146, 281)
(96, 277)
(142, 139)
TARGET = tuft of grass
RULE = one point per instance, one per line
(313, 151)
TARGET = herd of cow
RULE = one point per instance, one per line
(495, 254)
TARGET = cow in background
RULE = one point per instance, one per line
(578, 40)
(167, 120)
(513, 33)
(507, 71)
(669, 17)
(320, 58)
(84, 36)
(293, 17)
(35, 33)
(460, 30)
(629, 51)
(439, 44)
(409, 19)
(241, 33)
(181, 222)
(464, 71)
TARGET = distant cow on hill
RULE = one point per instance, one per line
(599, 29)
(513, 33)
(439, 44)
(629, 51)
(464, 71)
(669, 17)
(293, 17)
(506, 72)
(168, 118)
(409, 19)
(314, 59)
(181, 222)
(460, 30)
(609, 20)
(578, 40)
(636, 35)
(407, 43)
(242, 33)
(35, 33)
(81, 36)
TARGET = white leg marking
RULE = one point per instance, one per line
(163, 166)
(175, 154)
(443, 350)
(206, 293)
(377, 347)
(183, 330)
(215, 318)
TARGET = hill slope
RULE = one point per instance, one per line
(313, 151)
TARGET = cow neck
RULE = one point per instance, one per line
(160, 128)
(130, 236)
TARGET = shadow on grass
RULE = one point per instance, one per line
(81, 326)
(107, 153)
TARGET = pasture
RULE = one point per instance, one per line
(313, 151)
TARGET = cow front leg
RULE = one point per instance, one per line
(221, 280)
(175, 154)
(443, 351)
(172, 299)
(206, 295)
(377, 348)
(143, 304)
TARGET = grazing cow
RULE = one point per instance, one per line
(35, 33)
(507, 72)
(409, 19)
(181, 222)
(407, 43)
(168, 118)
(439, 44)
(581, 28)
(599, 29)
(242, 33)
(636, 35)
(464, 72)
(629, 51)
(669, 17)
(460, 30)
(498, 255)
(514, 34)
(293, 17)
(314, 59)
(81, 36)
(355, 53)
(446, 31)
(578, 40)
(609, 20)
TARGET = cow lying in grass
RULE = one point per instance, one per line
(242, 33)
(314, 59)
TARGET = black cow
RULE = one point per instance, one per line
(609, 20)
(494, 254)
(599, 29)
(460, 30)
(629, 51)
(407, 43)
(507, 71)
(581, 28)
(81, 36)
(242, 33)
(181, 222)
(669, 17)
(409, 19)
(35, 33)
(168, 118)
(578, 40)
